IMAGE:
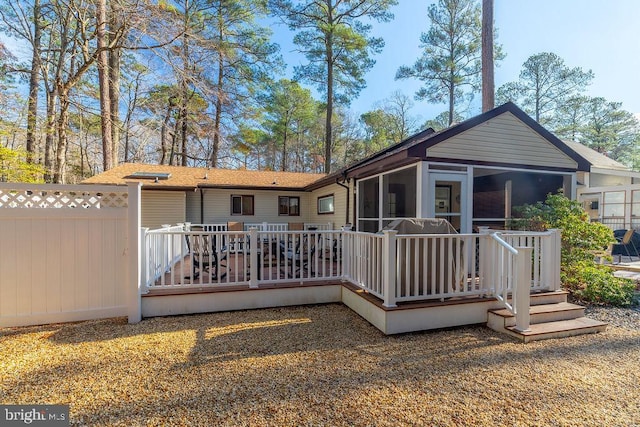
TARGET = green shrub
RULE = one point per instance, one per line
(579, 273)
(596, 283)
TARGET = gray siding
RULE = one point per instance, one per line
(503, 139)
(162, 207)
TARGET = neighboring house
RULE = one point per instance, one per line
(175, 194)
(609, 191)
(472, 174)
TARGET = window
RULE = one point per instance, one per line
(289, 206)
(614, 204)
(241, 205)
(325, 205)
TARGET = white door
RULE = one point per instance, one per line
(448, 199)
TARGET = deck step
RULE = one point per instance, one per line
(558, 329)
(542, 313)
(549, 297)
(552, 320)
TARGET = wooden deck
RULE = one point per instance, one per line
(235, 270)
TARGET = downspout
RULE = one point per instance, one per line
(346, 187)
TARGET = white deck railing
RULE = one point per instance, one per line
(395, 268)
(174, 258)
(510, 276)
(162, 249)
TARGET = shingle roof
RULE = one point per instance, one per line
(596, 159)
(187, 177)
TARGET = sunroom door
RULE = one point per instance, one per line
(448, 199)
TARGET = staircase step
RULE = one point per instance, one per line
(544, 313)
(558, 329)
(549, 297)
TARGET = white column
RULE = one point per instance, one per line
(522, 290)
(254, 258)
(134, 302)
(389, 267)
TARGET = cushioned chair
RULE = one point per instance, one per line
(628, 243)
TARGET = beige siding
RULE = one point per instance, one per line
(162, 207)
(217, 206)
(339, 203)
(602, 180)
(193, 207)
(503, 139)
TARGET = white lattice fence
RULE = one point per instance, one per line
(67, 253)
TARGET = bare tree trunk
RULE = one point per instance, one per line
(52, 97)
(163, 135)
(284, 147)
(103, 78)
(328, 132)
(488, 84)
(215, 150)
(115, 54)
(34, 82)
(61, 149)
(127, 121)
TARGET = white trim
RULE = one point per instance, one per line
(462, 178)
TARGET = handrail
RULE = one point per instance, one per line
(507, 246)
(517, 269)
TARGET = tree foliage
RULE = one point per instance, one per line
(15, 168)
(334, 38)
(545, 85)
(450, 65)
(580, 238)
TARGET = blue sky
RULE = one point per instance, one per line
(603, 36)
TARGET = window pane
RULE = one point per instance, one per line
(635, 195)
(614, 197)
(613, 210)
(368, 198)
(283, 206)
(325, 204)
(294, 206)
(247, 205)
(236, 205)
(399, 193)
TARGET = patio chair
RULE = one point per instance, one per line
(626, 244)
(298, 258)
(207, 255)
(236, 242)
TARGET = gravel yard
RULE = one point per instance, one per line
(321, 365)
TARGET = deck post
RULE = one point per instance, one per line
(389, 267)
(144, 260)
(485, 259)
(345, 253)
(522, 288)
(557, 255)
(254, 257)
(134, 302)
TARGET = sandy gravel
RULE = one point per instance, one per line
(316, 366)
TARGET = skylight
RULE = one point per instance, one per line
(150, 175)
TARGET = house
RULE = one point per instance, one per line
(609, 191)
(471, 174)
(175, 194)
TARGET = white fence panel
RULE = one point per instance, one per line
(64, 253)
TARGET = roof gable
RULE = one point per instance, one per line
(502, 139)
(505, 129)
